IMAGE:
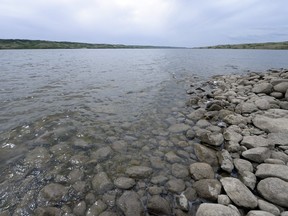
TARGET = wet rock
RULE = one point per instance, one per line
(262, 88)
(208, 188)
(90, 198)
(124, 183)
(119, 146)
(205, 154)
(44, 211)
(215, 139)
(190, 193)
(52, 193)
(258, 154)
(182, 202)
(160, 179)
(80, 187)
(223, 199)
(179, 171)
(38, 157)
(79, 159)
(197, 114)
(155, 190)
(243, 165)
(225, 161)
(248, 178)
(97, 208)
(268, 207)
(201, 171)
(108, 213)
(158, 206)
(175, 185)
(272, 170)
(139, 172)
(172, 157)
(80, 209)
(239, 193)
(75, 175)
(79, 143)
(102, 154)
(285, 213)
(208, 209)
(101, 183)
(130, 204)
(254, 141)
(274, 190)
(178, 128)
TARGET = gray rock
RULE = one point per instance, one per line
(160, 179)
(80, 209)
(225, 161)
(215, 139)
(197, 114)
(43, 211)
(285, 213)
(208, 209)
(259, 213)
(278, 138)
(179, 170)
(262, 104)
(243, 165)
(254, 141)
(271, 124)
(119, 146)
(223, 199)
(268, 207)
(158, 206)
(175, 185)
(190, 193)
(235, 119)
(101, 183)
(277, 95)
(281, 87)
(272, 170)
(284, 104)
(154, 190)
(258, 154)
(239, 193)
(182, 202)
(274, 190)
(97, 208)
(76, 175)
(130, 204)
(248, 107)
(279, 155)
(124, 183)
(274, 161)
(172, 157)
(52, 193)
(201, 171)
(108, 213)
(205, 154)
(277, 81)
(38, 157)
(232, 135)
(139, 172)
(208, 188)
(102, 154)
(179, 128)
(248, 178)
(262, 88)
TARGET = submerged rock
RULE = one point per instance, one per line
(158, 206)
(139, 172)
(130, 204)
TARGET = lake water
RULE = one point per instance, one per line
(84, 100)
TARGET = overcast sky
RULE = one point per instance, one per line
(186, 23)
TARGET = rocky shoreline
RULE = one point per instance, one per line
(224, 152)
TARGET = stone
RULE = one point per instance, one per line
(231, 135)
(175, 185)
(277, 95)
(124, 183)
(209, 209)
(239, 193)
(108, 213)
(254, 141)
(38, 157)
(268, 207)
(225, 161)
(139, 172)
(264, 87)
(223, 199)
(130, 204)
(278, 138)
(80, 209)
(44, 211)
(52, 193)
(179, 170)
(258, 154)
(262, 104)
(101, 183)
(271, 124)
(274, 161)
(208, 188)
(190, 193)
(179, 128)
(154, 190)
(285, 213)
(160, 179)
(272, 170)
(248, 107)
(214, 139)
(201, 171)
(158, 206)
(172, 157)
(274, 190)
(197, 114)
(242, 165)
(182, 202)
(279, 155)
(119, 146)
(205, 154)
(259, 213)
(75, 175)
(102, 154)
(248, 178)
(97, 208)
(281, 87)
(235, 119)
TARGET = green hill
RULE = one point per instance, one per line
(268, 45)
(42, 44)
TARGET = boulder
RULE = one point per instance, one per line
(272, 170)
(262, 88)
(243, 165)
(281, 87)
(179, 170)
(223, 199)
(197, 114)
(139, 172)
(278, 138)
(254, 141)
(209, 209)
(235, 119)
(201, 171)
(178, 128)
(248, 178)
(124, 183)
(158, 206)
(175, 185)
(268, 207)
(262, 104)
(102, 154)
(214, 139)
(208, 188)
(130, 204)
(258, 154)
(205, 154)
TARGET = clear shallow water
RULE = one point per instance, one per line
(83, 100)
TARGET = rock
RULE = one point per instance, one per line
(239, 193)
(268, 207)
(271, 124)
(197, 114)
(175, 185)
(258, 154)
(208, 188)
(272, 170)
(172, 157)
(285, 213)
(52, 193)
(262, 104)
(201, 171)
(102, 154)
(79, 143)
(274, 161)
(158, 206)
(179, 171)
(254, 141)
(232, 135)
(154, 190)
(215, 139)
(38, 157)
(277, 95)
(279, 155)
(119, 146)
(248, 178)
(159, 179)
(205, 154)
(284, 104)
(179, 128)
(80, 209)
(259, 213)
(209, 209)
(278, 138)
(223, 199)
(130, 204)
(101, 183)
(75, 175)
(277, 81)
(262, 88)
(248, 107)
(281, 87)
(225, 161)
(190, 193)
(182, 202)
(124, 183)
(243, 165)
(97, 208)
(274, 190)
(108, 213)
(44, 211)
(139, 172)
(235, 119)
